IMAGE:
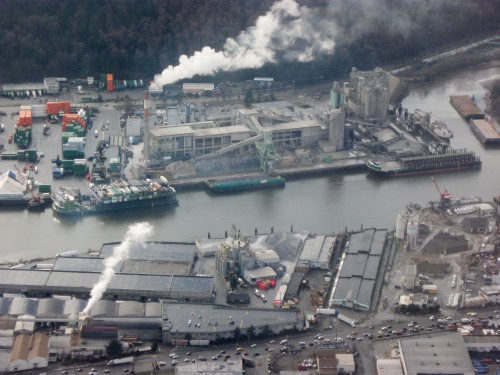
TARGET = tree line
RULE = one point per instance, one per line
(138, 38)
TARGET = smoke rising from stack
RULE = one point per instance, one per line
(137, 234)
(286, 32)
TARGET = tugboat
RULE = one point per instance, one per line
(36, 203)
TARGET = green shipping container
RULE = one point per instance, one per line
(44, 188)
(21, 156)
(9, 156)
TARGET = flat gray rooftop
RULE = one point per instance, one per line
(440, 354)
(217, 318)
(360, 267)
(156, 251)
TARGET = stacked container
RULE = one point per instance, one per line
(25, 117)
(80, 167)
(74, 147)
(110, 84)
(56, 108)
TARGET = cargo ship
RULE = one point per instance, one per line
(237, 184)
(119, 195)
(413, 163)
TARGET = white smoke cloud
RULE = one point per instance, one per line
(136, 234)
(287, 31)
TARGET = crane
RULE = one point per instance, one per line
(445, 196)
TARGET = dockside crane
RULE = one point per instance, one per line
(445, 196)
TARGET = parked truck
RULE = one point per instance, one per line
(120, 361)
(346, 319)
(199, 342)
(326, 311)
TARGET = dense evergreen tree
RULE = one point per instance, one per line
(138, 38)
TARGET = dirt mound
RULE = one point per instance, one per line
(446, 242)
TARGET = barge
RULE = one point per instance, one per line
(466, 107)
(119, 195)
(419, 163)
(237, 184)
(485, 131)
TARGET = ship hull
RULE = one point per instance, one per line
(408, 172)
(93, 209)
(421, 164)
(244, 184)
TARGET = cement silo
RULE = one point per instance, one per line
(410, 275)
(401, 226)
(336, 96)
(412, 232)
(337, 128)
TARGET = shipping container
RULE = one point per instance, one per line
(44, 188)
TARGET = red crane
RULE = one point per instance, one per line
(445, 196)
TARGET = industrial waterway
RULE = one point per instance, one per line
(319, 205)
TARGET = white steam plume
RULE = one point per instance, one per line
(136, 234)
(286, 32)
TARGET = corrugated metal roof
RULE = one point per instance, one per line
(20, 277)
(220, 131)
(104, 308)
(72, 280)
(135, 283)
(294, 125)
(152, 309)
(77, 264)
(192, 284)
(171, 131)
(23, 306)
(73, 307)
(50, 307)
(5, 305)
(156, 251)
(130, 309)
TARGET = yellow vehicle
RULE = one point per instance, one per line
(239, 349)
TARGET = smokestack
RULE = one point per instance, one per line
(146, 128)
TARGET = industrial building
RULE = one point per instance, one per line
(443, 354)
(158, 271)
(229, 367)
(368, 93)
(331, 361)
(359, 270)
(190, 141)
(316, 253)
(210, 322)
(29, 352)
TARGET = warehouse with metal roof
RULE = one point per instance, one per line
(157, 271)
(445, 354)
(210, 322)
(316, 253)
(359, 270)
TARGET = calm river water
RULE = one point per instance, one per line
(322, 205)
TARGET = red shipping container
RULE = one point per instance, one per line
(64, 107)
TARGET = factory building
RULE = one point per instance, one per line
(188, 141)
(316, 253)
(368, 93)
(444, 354)
(359, 270)
(229, 367)
(158, 271)
(490, 293)
(209, 322)
(29, 352)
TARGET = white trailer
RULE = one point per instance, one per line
(346, 319)
(120, 361)
(326, 311)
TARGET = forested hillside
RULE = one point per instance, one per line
(138, 38)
